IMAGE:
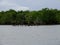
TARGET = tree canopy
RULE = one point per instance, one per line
(44, 16)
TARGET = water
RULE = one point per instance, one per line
(29, 35)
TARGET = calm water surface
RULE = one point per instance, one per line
(29, 35)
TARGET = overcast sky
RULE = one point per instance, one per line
(28, 4)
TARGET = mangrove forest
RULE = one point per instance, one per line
(45, 16)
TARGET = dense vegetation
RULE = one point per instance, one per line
(45, 16)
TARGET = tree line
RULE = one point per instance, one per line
(44, 16)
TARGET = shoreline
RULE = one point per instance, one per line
(32, 25)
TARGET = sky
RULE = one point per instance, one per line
(28, 4)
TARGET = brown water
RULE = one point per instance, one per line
(29, 35)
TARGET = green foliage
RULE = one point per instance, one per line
(45, 16)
